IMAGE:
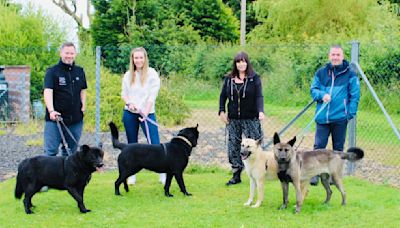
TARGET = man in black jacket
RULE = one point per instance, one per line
(65, 96)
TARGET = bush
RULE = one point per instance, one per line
(28, 38)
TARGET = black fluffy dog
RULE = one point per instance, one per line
(170, 158)
(70, 173)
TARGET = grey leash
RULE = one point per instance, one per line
(59, 121)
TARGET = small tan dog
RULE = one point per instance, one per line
(260, 165)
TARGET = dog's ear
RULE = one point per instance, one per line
(291, 142)
(197, 126)
(100, 145)
(276, 138)
(85, 148)
(258, 141)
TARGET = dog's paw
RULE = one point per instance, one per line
(247, 203)
(187, 194)
(256, 205)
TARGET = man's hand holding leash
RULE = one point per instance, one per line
(54, 115)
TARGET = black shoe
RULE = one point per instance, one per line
(314, 181)
(235, 179)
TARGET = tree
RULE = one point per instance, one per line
(70, 8)
(321, 20)
(28, 38)
(165, 27)
(213, 19)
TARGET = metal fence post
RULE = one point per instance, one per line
(352, 126)
(98, 53)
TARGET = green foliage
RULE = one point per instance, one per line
(110, 27)
(170, 108)
(212, 204)
(251, 20)
(214, 20)
(213, 62)
(320, 20)
(28, 38)
(167, 29)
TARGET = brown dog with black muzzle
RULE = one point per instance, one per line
(300, 166)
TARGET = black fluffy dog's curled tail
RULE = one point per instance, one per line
(353, 154)
(114, 137)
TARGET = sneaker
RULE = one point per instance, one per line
(44, 189)
(163, 177)
(132, 180)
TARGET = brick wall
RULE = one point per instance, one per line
(19, 83)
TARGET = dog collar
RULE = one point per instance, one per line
(184, 139)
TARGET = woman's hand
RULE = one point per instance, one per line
(223, 117)
(144, 116)
(261, 116)
(131, 107)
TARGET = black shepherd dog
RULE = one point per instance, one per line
(70, 173)
(170, 158)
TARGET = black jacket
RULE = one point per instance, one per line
(66, 81)
(245, 105)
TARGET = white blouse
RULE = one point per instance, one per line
(140, 95)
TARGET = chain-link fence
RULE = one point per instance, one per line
(287, 76)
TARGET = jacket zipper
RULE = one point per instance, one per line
(330, 93)
(72, 85)
(345, 106)
(238, 94)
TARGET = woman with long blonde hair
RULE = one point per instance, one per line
(140, 86)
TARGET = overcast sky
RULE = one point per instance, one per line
(65, 21)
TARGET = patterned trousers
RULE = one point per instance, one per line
(250, 128)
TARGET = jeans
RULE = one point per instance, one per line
(52, 138)
(131, 124)
(338, 131)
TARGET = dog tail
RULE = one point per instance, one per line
(353, 154)
(114, 137)
(19, 190)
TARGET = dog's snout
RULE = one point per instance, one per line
(100, 165)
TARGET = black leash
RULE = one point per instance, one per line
(59, 120)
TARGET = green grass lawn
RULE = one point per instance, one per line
(212, 205)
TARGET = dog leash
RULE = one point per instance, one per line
(59, 121)
(324, 105)
(146, 125)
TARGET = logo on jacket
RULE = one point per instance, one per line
(62, 81)
(77, 78)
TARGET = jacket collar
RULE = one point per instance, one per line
(65, 66)
(338, 69)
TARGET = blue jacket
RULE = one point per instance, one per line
(342, 83)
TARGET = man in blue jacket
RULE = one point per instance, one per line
(336, 89)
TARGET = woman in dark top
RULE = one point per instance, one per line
(242, 88)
